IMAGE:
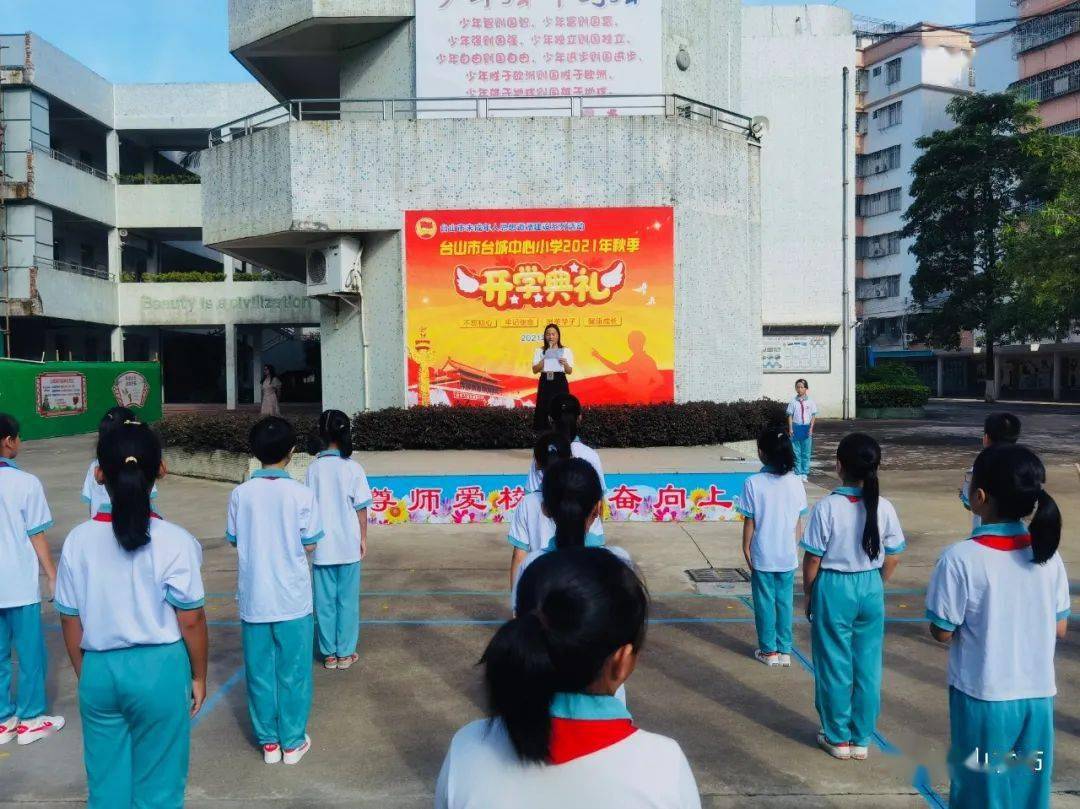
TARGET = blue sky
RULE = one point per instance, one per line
(158, 41)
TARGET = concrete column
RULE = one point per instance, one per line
(341, 345)
(116, 344)
(227, 266)
(112, 152)
(114, 258)
(230, 366)
(256, 363)
(1056, 384)
(148, 165)
(940, 377)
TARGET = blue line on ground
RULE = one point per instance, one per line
(214, 699)
(924, 786)
(502, 593)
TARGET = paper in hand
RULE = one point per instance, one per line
(551, 360)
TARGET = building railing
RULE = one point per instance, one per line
(71, 161)
(1049, 84)
(1046, 28)
(77, 269)
(403, 109)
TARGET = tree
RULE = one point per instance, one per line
(969, 184)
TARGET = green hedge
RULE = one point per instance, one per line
(882, 394)
(496, 427)
(890, 373)
(184, 178)
(181, 276)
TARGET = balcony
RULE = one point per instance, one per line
(1046, 29)
(62, 182)
(1050, 84)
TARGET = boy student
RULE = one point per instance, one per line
(801, 418)
(274, 523)
(998, 429)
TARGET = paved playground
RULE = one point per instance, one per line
(432, 595)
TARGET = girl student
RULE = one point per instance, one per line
(1001, 601)
(531, 528)
(24, 552)
(802, 418)
(851, 543)
(773, 503)
(557, 735)
(343, 495)
(130, 597)
(566, 420)
(93, 493)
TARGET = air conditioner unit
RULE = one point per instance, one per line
(333, 268)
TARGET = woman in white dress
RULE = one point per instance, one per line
(271, 388)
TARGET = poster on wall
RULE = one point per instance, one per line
(481, 285)
(61, 394)
(529, 49)
(131, 389)
(796, 353)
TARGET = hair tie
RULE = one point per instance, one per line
(133, 423)
(131, 459)
(552, 449)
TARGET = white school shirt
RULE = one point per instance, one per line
(802, 410)
(128, 598)
(532, 530)
(577, 450)
(94, 494)
(271, 518)
(642, 771)
(1004, 609)
(341, 489)
(835, 531)
(23, 514)
(775, 503)
(568, 355)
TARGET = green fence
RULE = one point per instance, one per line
(68, 398)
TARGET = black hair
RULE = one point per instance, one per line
(558, 335)
(335, 427)
(774, 444)
(1013, 478)
(575, 608)
(9, 426)
(570, 491)
(1002, 428)
(550, 447)
(114, 417)
(860, 456)
(129, 455)
(272, 439)
(564, 412)
(271, 373)
(805, 383)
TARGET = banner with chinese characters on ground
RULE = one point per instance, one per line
(530, 49)
(673, 497)
(481, 285)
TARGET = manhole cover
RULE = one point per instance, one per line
(718, 575)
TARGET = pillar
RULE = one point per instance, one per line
(230, 366)
(116, 344)
(227, 266)
(112, 152)
(1056, 384)
(341, 342)
(148, 164)
(114, 259)
(256, 363)
(940, 376)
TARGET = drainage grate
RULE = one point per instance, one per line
(718, 575)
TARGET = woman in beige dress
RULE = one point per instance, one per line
(271, 388)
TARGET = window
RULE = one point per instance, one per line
(877, 204)
(877, 162)
(860, 123)
(892, 71)
(868, 289)
(877, 70)
(889, 116)
(886, 244)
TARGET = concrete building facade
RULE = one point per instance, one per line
(1046, 41)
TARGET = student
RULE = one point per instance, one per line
(566, 420)
(342, 492)
(998, 428)
(130, 598)
(1001, 600)
(24, 551)
(851, 543)
(801, 419)
(274, 523)
(557, 736)
(531, 529)
(93, 493)
(772, 504)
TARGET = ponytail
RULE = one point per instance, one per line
(335, 428)
(564, 414)
(860, 456)
(129, 455)
(570, 491)
(550, 447)
(774, 444)
(1012, 476)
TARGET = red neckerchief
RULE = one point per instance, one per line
(574, 738)
(1004, 543)
(105, 516)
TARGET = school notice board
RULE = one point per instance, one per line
(68, 398)
(673, 497)
(796, 353)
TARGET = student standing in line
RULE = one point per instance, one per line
(342, 492)
(93, 493)
(24, 551)
(851, 543)
(566, 420)
(802, 417)
(1001, 601)
(557, 735)
(274, 523)
(773, 503)
(130, 597)
(998, 428)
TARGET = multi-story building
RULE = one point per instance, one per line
(1046, 41)
(96, 209)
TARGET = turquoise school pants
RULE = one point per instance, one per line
(277, 662)
(847, 630)
(20, 630)
(804, 449)
(337, 608)
(773, 597)
(135, 707)
(1001, 754)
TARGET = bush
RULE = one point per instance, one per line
(436, 428)
(892, 373)
(180, 178)
(173, 277)
(881, 394)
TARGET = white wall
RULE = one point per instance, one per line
(995, 65)
(159, 206)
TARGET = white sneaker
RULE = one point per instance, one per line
(271, 753)
(294, 756)
(9, 729)
(859, 752)
(768, 658)
(40, 727)
(841, 751)
(785, 660)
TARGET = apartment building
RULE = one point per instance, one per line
(1046, 42)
